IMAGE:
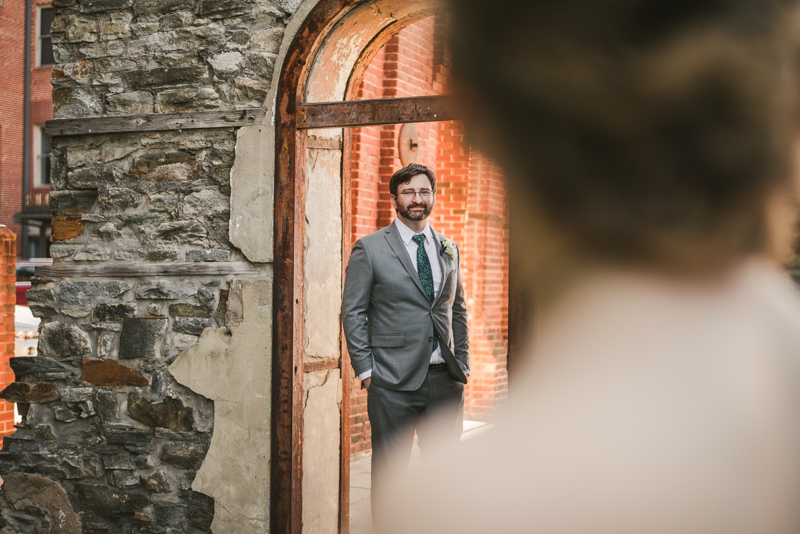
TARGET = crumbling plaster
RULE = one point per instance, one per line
(231, 366)
(323, 265)
(321, 425)
(251, 230)
(252, 175)
(321, 339)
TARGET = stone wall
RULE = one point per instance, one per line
(110, 440)
(141, 56)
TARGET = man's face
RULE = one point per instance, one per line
(414, 200)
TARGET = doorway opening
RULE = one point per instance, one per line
(470, 209)
(363, 92)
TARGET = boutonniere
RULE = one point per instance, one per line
(449, 247)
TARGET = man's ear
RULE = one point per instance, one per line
(393, 200)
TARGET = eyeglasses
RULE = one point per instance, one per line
(408, 194)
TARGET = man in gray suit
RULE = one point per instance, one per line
(405, 322)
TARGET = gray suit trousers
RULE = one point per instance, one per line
(435, 411)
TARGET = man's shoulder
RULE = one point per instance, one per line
(375, 237)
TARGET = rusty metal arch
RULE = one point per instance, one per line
(325, 62)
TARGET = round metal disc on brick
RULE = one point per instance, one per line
(408, 144)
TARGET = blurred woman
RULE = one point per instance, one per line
(650, 149)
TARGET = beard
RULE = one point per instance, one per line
(406, 212)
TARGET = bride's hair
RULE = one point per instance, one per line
(644, 130)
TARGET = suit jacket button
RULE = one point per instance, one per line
(430, 338)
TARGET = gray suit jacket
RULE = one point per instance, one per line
(389, 322)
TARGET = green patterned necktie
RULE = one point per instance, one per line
(425, 274)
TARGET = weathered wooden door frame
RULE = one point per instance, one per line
(293, 117)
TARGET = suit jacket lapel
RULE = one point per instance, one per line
(393, 237)
(444, 263)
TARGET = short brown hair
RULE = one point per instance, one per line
(404, 175)
(643, 129)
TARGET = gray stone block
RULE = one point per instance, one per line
(170, 414)
(207, 204)
(112, 312)
(75, 292)
(63, 341)
(171, 515)
(117, 289)
(132, 103)
(213, 9)
(41, 368)
(68, 394)
(91, 177)
(158, 253)
(107, 405)
(96, 6)
(149, 7)
(113, 199)
(187, 99)
(79, 157)
(63, 203)
(64, 465)
(156, 482)
(166, 76)
(183, 454)
(142, 337)
(109, 504)
(190, 310)
(75, 102)
(165, 290)
(93, 253)
(121, 434)
(65, 414)
(124, 479)
(208, 255)
(193, 325)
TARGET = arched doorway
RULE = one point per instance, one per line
(322, 71)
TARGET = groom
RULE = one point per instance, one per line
(405, 322)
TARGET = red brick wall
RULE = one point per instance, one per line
(7, 300)
(470, 208)
(486, 273)
(12, 36)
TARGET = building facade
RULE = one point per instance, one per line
(190, 374)
(24, 206)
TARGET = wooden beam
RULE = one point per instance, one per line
(324, 144)
(148, 269)
(346, 373)
(375, 112)
(154, 122)
(320, 365)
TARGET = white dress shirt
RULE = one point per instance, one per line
(432, 248)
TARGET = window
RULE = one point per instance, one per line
(39, 239)
(45, 50)
(42, 150)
